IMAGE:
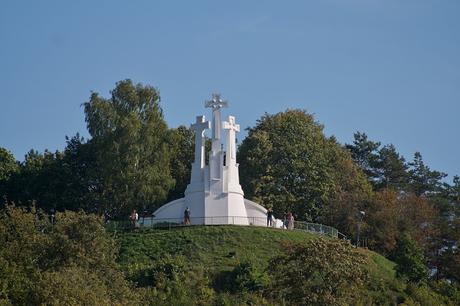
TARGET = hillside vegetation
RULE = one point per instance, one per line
(209, 257)
(72, 259)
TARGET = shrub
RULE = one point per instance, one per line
(410, 261)
(317, 272)
(246, 277)
(71, 262)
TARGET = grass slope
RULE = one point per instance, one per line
(221, 248)
(210, 253)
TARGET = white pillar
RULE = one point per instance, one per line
(215, 164)
(199, 127)
(231, 128)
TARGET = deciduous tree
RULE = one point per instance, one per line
(288, 163)
(129, 133)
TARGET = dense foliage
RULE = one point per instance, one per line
(286, 162)
(129, 135)
(70, 262)
(410, 261)
(182, 144)
(318, 272)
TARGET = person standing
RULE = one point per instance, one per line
(187, 216)
(290, 221)
(133, 218)
(269, 217)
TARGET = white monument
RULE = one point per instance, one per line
(214, 195)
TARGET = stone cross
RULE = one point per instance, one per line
(216, 103)
(199, 127)
(232, 128)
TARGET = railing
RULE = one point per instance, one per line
(319, 229)
(168, 223)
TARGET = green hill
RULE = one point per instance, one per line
(212, 252)
(77, 260)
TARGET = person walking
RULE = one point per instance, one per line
(187, 216)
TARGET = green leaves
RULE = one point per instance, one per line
(410, 261)
(318, 272)
(181, 143)
(129, 135)
(8, 165)
(72, 262)
(383, 166)
(422, 178)
(287, 162)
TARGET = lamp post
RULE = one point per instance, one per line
(361, 215)
(52, 215)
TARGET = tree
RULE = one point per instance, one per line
(410, 261)
(389, 214)
(182, 153)
(8, 168)
(384, 167)
(70, 262)
(418, 219)
(287, 162)
(81, 174)
(61, 180)
(383, 219)
(8, 164)
(129, 134)
(422, 179)
(318, 272)
(392, 169)
(448, 262)
(365, 154)
(40, 179)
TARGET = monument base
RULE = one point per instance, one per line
(247, 213)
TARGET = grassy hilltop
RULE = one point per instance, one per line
(209, 256)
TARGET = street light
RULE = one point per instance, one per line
(52, 211)
(360, 219)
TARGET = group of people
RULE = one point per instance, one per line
(288, 220)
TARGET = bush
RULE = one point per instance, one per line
(410, 261)
(317, 272)
(424, 296)
(71, 262)
(159, 272)
(245, 277)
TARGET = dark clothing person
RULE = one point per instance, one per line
(269, 217)
(187, 216)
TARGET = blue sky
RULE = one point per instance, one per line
(388, 68)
